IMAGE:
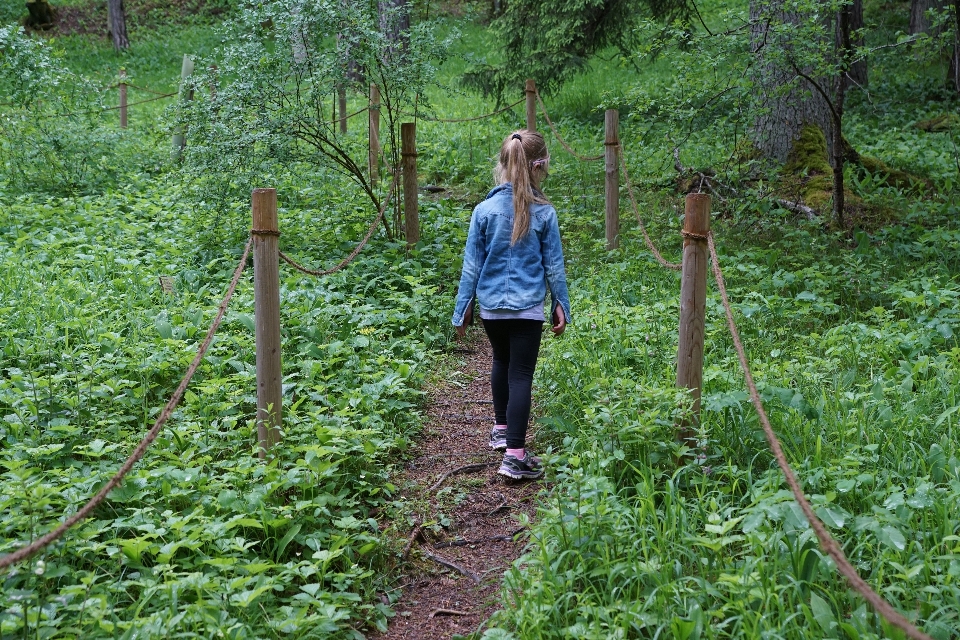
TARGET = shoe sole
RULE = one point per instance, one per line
(500, 445)
(520, 475)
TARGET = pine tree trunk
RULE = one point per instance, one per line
(117, 21)
(787, 102)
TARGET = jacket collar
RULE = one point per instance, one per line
(507, 189)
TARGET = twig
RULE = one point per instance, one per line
(450, 612)
(465, 543)
(464, 469)
(504, 505)
(452, 565)
(796, 207)
(417, 532)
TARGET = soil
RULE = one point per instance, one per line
(451, 575)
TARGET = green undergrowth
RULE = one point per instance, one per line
(203, 537)
(855, 353)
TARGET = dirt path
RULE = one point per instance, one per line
(452, 571)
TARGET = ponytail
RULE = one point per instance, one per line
(523, 163)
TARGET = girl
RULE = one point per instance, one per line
(513, 254)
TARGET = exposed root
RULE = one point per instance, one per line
(464, 469)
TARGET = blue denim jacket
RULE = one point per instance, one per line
(514, 277)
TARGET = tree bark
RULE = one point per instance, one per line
(787, 103)
(41, 14)
(395, 24)
(117, 21)
(919, 22)
(953, 73)
(858, 69)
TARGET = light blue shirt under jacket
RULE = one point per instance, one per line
(505, 276)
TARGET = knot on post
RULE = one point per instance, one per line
(694, 236)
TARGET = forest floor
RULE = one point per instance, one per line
(467, 532)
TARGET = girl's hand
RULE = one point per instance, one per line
(559, 321)
(467, 317)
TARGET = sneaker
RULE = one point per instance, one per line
(526, 468)
(498, 438)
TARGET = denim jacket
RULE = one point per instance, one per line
(505, 276)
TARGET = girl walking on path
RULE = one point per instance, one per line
(513, 255)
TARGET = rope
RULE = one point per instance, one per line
(355, 113)
(133, 86)
(25, 552)
(451, 120)
(356, 251)
(826, 541)
(636, 212)
(563, 142)
(104, 109)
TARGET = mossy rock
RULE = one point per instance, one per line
(943, 122)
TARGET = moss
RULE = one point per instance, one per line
(894, 177)
(807, 175)
(943, 122)
(809, 153)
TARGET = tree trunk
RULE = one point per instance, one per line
(787, 102)
(919, 22)
(41, 14)
(953, 74)
(117, 21)
(117, 24)
(858, 69)
(395, 24)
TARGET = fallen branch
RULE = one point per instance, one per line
(464, 543)
(505, 505)
(450, 612)
(452, 565)
(417, 532)
(796, 207)
(464, 469)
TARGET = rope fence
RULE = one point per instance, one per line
(636, 211)
(105, 109)
(563, 143)
(827, 542)
(357, 249)
(25, 552)
(473, 119)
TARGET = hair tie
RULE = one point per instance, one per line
(516, 136)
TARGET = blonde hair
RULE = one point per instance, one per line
(523, 163)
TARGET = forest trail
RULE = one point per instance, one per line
(477, 532)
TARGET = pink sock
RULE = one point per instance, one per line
(499, 426)
(516, 453)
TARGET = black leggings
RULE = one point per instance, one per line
(516, 344)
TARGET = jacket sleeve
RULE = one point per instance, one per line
(473, 257)
(552, 251)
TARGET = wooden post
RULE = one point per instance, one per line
(531, 91)
(374, 134)
(179, 139)
(123, 98)
(342, 102)
(611, 167)
(693, 302)
(411, 205)
(266, 295)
